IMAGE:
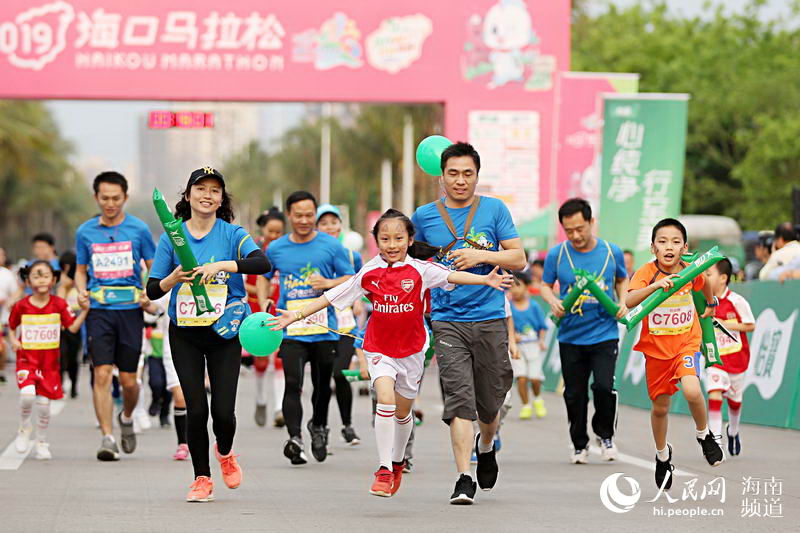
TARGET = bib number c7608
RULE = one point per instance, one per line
(673, 317)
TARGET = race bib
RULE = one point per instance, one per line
(309, 325)
(112, 260)
(41, 332)
(345, 319)
(725, 344)
(673, 317)
(185, 305)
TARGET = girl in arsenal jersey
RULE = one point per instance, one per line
(395, 282)
(37, 321)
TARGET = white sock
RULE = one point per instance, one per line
(663, 455)
(139, 410)
(402, 431)
(715, 420)
(485, 448)
(278, 388)
(126, 419)
(733, 420)
(42, 418)
(384, 433)
(701, 433)
(26, 407)
(536, 397)
(261, 393)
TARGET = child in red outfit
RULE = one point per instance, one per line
(36, 321)
(395, 341)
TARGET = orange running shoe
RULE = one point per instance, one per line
(384, 479)
(202, 490)
(231, 471)
(397, 470)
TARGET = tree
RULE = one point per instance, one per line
(742, 75)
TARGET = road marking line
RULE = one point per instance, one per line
(11, 459)
(641, 463)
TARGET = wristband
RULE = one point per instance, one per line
(298, 314)
(713, 303)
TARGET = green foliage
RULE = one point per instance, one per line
(39, 189)
(742, 74)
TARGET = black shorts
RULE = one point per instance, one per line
(115, 337)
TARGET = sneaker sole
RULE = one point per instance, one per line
(320, 454)
(292, 452)
(107, 455)
(201, 500)
(462, 499)
(380, 493)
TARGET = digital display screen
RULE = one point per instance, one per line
(160, 120)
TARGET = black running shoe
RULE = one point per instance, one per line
(319, 441)
(349, 436)
(734, 443)
(711, 450)
(464, 493)
(664, 471)
(487, 466)
(293, 450)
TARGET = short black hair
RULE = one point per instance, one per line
(44, 237)
(25, 272)
(110, 176)
(573, 206)
(299, 196)
(67, 262)
(461, 149)
(627, 252)
(724, 266)
(786, 232)
(669, 222)
(538, 262)
(523, 277)
(273, 214)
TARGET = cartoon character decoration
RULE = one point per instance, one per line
(337, 43)
(504, 44)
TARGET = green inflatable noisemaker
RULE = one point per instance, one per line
(174, 228)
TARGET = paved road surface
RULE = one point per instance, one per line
(538, 490)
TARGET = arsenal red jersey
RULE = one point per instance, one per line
(733, 309)
(40, 331)
(397, 294)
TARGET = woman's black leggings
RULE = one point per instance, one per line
(193, 350)
(70, 351)
(295, 355)
(344, 393)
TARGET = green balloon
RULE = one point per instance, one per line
(429, 154)
(257, 338)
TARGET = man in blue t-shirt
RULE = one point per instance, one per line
(110, 249)
(588, 336)
(475, 234)
(308, 262)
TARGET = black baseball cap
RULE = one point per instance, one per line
(205, 172)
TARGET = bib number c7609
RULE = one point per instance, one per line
(41, 332)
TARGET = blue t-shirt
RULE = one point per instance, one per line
(360, 333)
(492, 224)
(295, 263)
(529, 322)
(225, 242)
(593, 324)
(113, 255)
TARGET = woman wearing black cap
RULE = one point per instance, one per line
(224, 251)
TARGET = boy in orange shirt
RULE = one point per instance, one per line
(670, 341)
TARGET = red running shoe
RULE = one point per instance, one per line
(384, 479)
(231, 472)
(397, 470)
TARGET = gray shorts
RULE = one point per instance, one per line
(474, 368)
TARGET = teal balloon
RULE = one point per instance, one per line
(257, 338)
(429, 154)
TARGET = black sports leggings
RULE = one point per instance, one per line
(194, 349)
(70, 350)
(295, 355)
(344, 393)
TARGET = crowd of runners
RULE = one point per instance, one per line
(451, 281)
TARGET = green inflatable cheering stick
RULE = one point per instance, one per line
(174, 229)
(697, 267)
(581, 281)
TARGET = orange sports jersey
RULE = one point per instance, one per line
(671, 329)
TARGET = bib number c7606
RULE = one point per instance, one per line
(185, 307)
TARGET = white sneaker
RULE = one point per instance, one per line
(580, 457)
(23, 439)
(41, 451)
(608, 450)
(141, 423)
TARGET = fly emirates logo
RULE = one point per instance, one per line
(391, 304)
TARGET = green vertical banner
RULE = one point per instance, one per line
(644, 142)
